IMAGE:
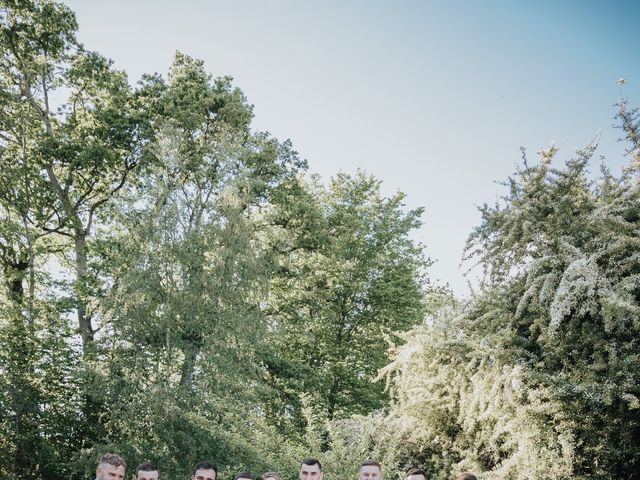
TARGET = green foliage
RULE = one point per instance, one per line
(571, 248)
(185, 276)
(465, 402)
(537, 377)
(40, 427)
(69, 133)
(348, 279)
(228, 307)
(148, 197)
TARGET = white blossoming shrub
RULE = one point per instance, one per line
(538, 377)
(562, 262)
(576, 293)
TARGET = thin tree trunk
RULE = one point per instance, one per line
(84, 319)
(188, 366)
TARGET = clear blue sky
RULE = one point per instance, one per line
(433, 97)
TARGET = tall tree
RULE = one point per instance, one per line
(187, 277)
(536, 376)
(68, 126)
(350, 277)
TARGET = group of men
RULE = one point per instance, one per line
(112, 467)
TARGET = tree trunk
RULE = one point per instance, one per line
(190, 354)
(84, 319)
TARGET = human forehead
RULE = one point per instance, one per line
(310, 468)
(370, 469)
(206, 473)
(148, 475)
(108, 468)
(416, 476)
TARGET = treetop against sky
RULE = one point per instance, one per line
(435, 98)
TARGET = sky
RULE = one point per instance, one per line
(435, 98)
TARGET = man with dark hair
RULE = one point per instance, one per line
(244, 475)
(147, 471)
(110, 467)
(466, 476)
(205, 471)
(270, 476)
(370, 470)
(310, 469)
(415, 474)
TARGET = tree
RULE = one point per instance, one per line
(186, 276)
(537, 375)
(349, 278)
(563, 250)
(147, 199)
(69, 132)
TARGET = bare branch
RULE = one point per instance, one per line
(63, 196)
(57, 230)
(88, 194)
(9, 139)
(113, 191)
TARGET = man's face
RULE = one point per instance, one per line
(310, 472)
(106, 471)
(202, 474)
(153, 475)
(416, 477)
(370, 472)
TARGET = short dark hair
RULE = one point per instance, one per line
(310, 462)
(275, 475)
(244, 475)
(206, 465)
(466, 476)
(112, 459)
(415, 471)
(370, 462)
(146, 467)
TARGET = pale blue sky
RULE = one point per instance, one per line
(434, 98)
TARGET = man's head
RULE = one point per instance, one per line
(310, 469)
(370, 470)
(466, 476)
(110, 467)
(205, 471)
(244, 476)
(415, 474)
(147, 471)
(271, 476)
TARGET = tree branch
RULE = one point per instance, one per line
(113, 191)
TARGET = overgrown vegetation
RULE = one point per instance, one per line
(176, 286)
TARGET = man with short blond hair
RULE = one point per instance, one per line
(245, 476)
(271, 476)
(111, 467)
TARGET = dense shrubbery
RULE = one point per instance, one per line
(175, 287)
(537, 376)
